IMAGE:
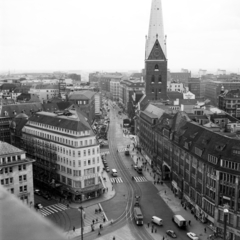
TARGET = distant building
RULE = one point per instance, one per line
(213, 89)
(181, 77)
(114, 89)
(16, 173)
(85, 101)
(67, 154)
(197, 87)
(229, 101)
(175, 87)
(45, 92)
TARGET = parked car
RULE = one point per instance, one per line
(135, 167)
(107, 169)
(192, 236)
(38, 192)
(38, 206)
(171, 233)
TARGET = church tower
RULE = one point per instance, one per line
(155, 56)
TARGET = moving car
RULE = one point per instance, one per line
(192, 236)
(157, 220)
(171, 233)
(38, 206)
(38, 192)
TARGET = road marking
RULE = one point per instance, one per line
(52, 209)
(140, 179)
(116, 180)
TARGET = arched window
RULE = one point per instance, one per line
(156, 68)
(160, 79)
(159, 90)
(153, 79)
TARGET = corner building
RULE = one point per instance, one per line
(66, 153)
(203, 167)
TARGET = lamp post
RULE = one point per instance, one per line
(225, 213)
(81, 209)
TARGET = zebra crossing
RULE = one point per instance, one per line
(140, 179)
(116, 180)
(52, 209)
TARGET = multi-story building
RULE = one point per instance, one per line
(66, 153)
(85, 101)
(181, 77)
(229, 101)
(126, 87)
(175, 87)
(114, 89)
(104, 82)
(197, 87)
(45, 92)
(16, 173)
(213, 89)
(202, 165)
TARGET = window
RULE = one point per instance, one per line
(85, 163)
(19, 167)
(93, 160)
(84, 153)
(156, 68)
(79, 153)
(9, 159)
(20, 189)
(89, 152)
(152, 79)
(79, 163)
(25, 188)
(24, 177)
(152, 90)
(160, 79)
(159, 90)
(20, 178)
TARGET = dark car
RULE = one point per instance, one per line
(107, 169)
(171, 233)
(38, 192)
(47, 196)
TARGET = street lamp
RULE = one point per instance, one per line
(81, 209)
(225, 213)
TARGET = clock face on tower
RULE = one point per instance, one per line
(156, 53)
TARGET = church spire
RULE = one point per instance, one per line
(155, 30)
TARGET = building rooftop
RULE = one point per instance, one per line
(6, 148)
(46, 86)
(81, 95)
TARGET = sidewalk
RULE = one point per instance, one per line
(173, 202)
(89, 214)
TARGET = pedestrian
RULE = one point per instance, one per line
(205, 230)
(73, 228)
(93, 221)
(96, 220)
(114, 238)
(165, 192)
(148, 225)
(189, 222)
(152, 230)
(99, 233)
(104, 219)
(163, 238)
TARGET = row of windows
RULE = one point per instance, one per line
(77, 172)
(10, 169)
(23, 188)
(10, 159)
(82, 133)
(74, 163)
(7, 181)
(230, 164)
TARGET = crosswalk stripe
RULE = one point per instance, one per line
(52, 209)
(116, 180)
(140, 179)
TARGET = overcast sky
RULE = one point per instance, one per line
(110, 34)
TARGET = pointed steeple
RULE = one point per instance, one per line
(155, 30)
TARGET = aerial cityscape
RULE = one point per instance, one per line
(120, 122)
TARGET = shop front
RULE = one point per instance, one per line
(175, 188)
(231, 233)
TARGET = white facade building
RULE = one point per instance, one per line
(16, 173)
(175, 87)
(114, 89)
(71, 156)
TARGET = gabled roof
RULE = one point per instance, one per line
(14, 109)
(7, 86)
(6, 148)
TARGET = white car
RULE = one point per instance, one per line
(192, 236)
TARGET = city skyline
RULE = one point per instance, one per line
(108, 35)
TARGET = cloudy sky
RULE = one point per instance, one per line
(102, 35)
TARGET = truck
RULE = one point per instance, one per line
(180, 221)
(138, 217)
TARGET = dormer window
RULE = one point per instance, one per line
(220, 146)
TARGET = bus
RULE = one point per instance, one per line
(138, 217)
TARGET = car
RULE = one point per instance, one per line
(38, 206)
(38, 192)
(192, 236)
(107, 169)
(171, 233)
(135, 167)
(105, 165)
(47, 196)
